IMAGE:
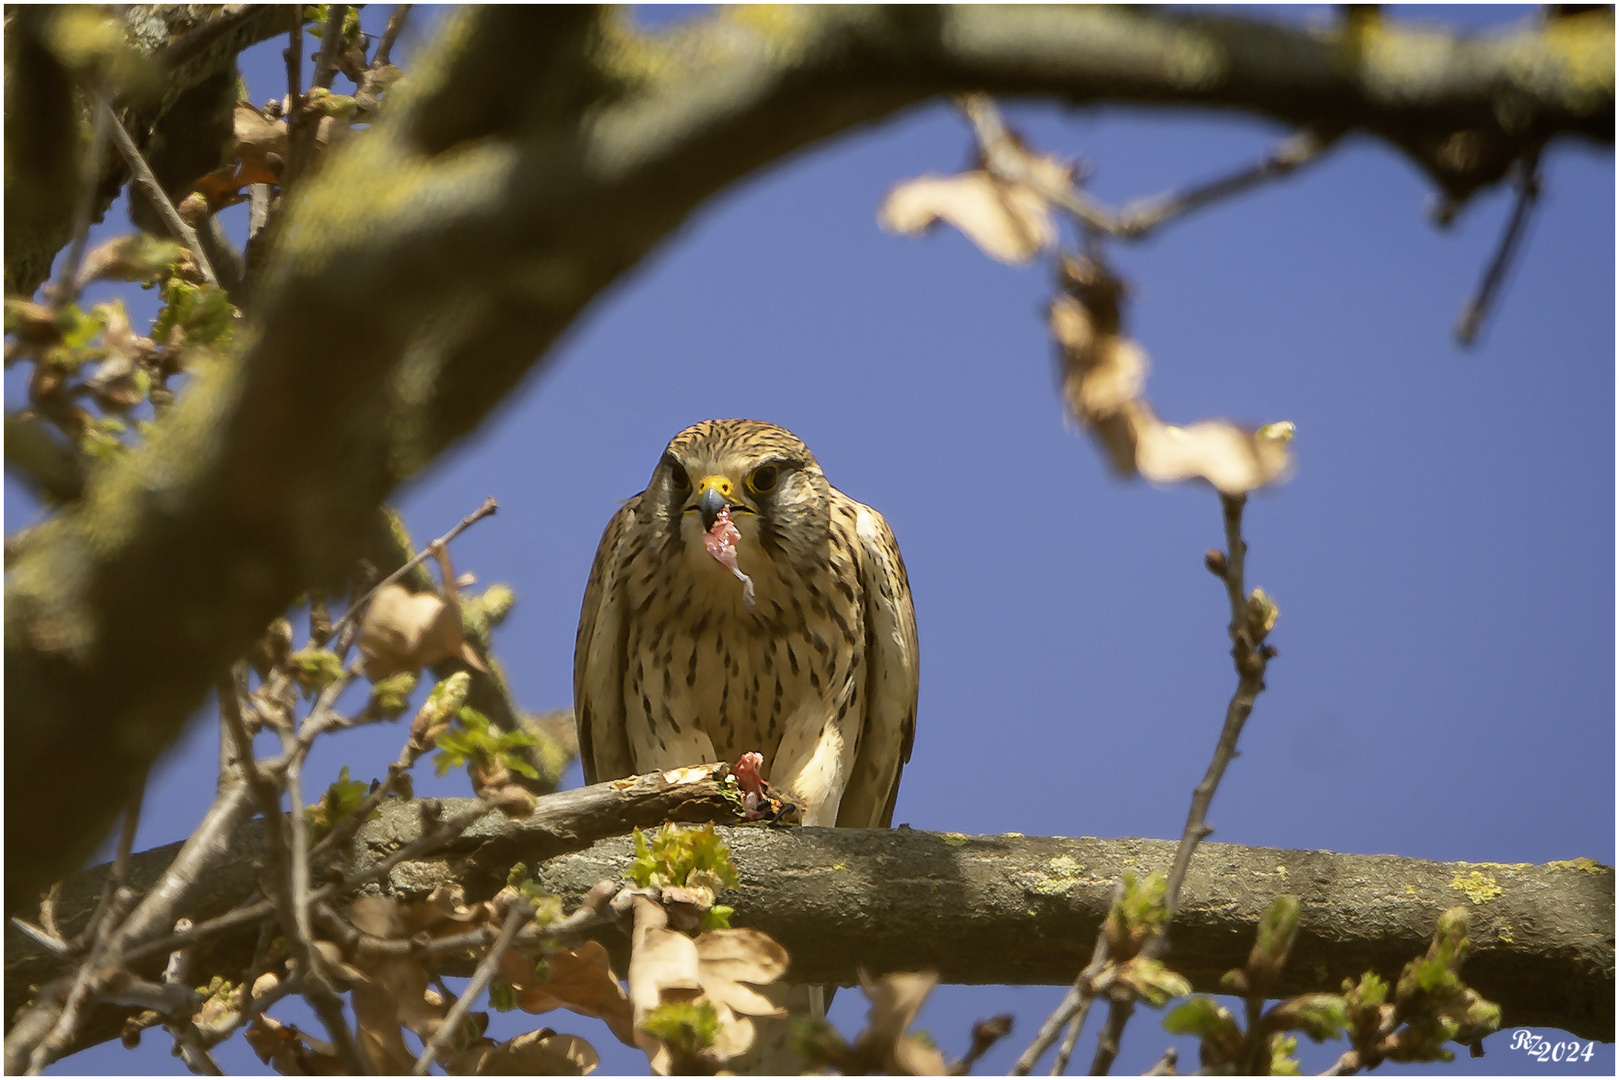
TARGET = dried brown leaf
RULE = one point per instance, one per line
(538, 1053)
(580, 980)
(406, 631)
(289, 1051)
(729, 958)
(896, 999)
(1008, 222)
(1236, 460)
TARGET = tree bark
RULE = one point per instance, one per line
(433, 261)
(1003, 909)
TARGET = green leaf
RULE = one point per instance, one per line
(1155, 983)
(315, 669)
(342, 798)
(1320, 1016)
(718, 917)
(502, 996)
(685, 1027)
(1277, 929)
(1201, 1016)
(1282, 1061)
(391, 696)
(1137, 915)
(199, 314)
(79, 327)
(685, 857)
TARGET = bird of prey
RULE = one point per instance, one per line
(742, 603)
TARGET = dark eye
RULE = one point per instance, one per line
(677, 474)
(762, 479)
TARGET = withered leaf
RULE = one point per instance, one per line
(895, 1001)
(1008, 222)
(580, 980)
(406, 631)
(1234, 459)
(538, 1053)
(289, 1051)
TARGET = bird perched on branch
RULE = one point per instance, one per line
(742, 603)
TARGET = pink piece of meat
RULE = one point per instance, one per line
(720, 542)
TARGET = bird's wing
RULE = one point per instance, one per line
(891, 678)
(598, 658)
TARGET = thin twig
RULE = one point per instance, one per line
(66, 289)
(206, 844)
(147, 182)
(1250, 662)
(1348, 1064)
(249, 914)
(1478, 306)
(1107, 1043)
(1074, 1008)
(331, 42)
(1250, 659)
(1006, 158)
(1165, 1065)
(986, 1033)
(520, 913)
(51, 942)
(1141, 216)
(489, 507)
(385, 47)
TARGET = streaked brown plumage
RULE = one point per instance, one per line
(671, 668)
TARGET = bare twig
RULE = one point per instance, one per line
(331, 43)
(986, 1033)
(1478, 306)
(1070, 1038)
(1165, 1065)
(1005, 157)
(66, 289)
(385, 47)
(1141, 216)
(249, 914)
(520, 913)
(1107, 1043)
(1073, 1010)
(147, 182)
(355, 609)
(1348, 1064)
(45, 938)
(206, 844)
(1250, 657)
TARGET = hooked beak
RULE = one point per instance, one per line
(709, 504)
(713, 495)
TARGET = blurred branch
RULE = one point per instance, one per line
(413, 316)
(995, 909)
(184, 46)
(147, 182)
(1005, 158)
(1477, 308)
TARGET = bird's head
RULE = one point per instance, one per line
(763, 474)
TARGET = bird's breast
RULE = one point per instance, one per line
(707, 679)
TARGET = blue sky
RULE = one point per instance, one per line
(1443, 557)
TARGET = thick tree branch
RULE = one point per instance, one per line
(187, 45)
(433, 262)
(993, 909)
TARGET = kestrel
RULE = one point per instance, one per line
(789, 631)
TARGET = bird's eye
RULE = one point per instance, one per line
(677, 475)
(762, 479)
